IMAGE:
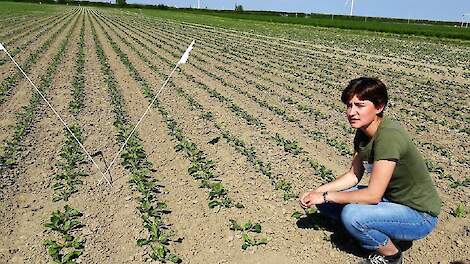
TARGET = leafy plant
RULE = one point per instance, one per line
(248, 227)
(460, 211)
(65, 223)
(307, 212)
(289, 146)
(250, 241)
(70, 174)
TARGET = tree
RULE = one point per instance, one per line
(121, 2)
(238, 8)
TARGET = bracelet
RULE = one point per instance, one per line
(325, 200)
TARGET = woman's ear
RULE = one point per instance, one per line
(379, 109)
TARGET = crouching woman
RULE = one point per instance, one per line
(400, 201)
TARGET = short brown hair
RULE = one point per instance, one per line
(366, 88)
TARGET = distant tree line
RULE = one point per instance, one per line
(92, 3)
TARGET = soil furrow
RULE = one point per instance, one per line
(23, 91)
(29, 198)
(283, 164)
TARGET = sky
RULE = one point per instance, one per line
(444, 10)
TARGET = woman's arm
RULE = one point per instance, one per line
(347, 180)
(381, 175)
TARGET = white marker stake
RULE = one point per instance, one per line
(183, 59)
(53, 110)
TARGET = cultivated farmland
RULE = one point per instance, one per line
(213, 173)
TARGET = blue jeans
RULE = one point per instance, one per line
(374, 224)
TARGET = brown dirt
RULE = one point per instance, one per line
(27, 202)
(21, 93)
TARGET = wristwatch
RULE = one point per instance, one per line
(325, 200)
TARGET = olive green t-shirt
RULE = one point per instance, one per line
(410, 183)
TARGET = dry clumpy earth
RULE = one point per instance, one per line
(257, 91)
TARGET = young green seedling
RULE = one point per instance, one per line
(460, 211)
(248, 227)
(250, 242)
(65, 223)
(307, 212)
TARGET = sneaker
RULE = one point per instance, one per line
(375, 258)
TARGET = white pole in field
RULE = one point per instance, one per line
(55, 112)
(183, 59)
(352, 7)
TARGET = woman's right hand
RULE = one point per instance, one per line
(311, 198)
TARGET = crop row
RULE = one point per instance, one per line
(201, 168)
(332, 142)
(24, 119)
(11, 81)
(248, 151)
(343, 148)
(289, 146)
(12, 18)
(415, 52)
(68, 246)
(239, 145)
(302, 107)
(134, 159)
(78, 83)
(190, 149)
(294, 71)
(268, 51)
(68, 177)
(440, 148)
(31, 37)
(10, 28)
(28, 29)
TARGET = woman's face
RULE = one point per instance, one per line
(361, 113)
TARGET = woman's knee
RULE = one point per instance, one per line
(352, 216)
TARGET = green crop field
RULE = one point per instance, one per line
(418, 28)
(17, 9)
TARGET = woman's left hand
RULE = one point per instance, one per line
(309, 199)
